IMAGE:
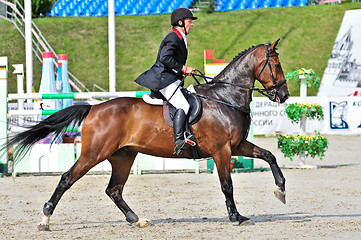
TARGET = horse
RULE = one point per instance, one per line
(118, 129)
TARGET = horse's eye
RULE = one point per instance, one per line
(278, 66)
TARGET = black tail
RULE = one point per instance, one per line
(56, 123)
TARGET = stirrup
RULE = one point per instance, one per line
(189, 139)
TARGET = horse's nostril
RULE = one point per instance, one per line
(285, 97)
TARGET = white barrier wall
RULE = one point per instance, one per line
(3, 110)
(47, 158)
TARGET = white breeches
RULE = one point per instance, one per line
(178, 100)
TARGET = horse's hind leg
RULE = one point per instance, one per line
(78, 170)
(248, 149)
(121, 162)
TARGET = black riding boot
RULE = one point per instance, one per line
(178, 128)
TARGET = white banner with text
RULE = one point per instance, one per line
(342, 115)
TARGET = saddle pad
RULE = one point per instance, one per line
(157, 101)
(195, 110)
(152, 101)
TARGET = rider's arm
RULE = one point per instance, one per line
(167, 56)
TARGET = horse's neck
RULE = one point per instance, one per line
(240, 73)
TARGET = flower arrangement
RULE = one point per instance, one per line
(303, 146)
(311, 78)
(295, 111)
(314, 145)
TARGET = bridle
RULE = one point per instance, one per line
(269, 92)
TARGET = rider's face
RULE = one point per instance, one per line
(188, 23)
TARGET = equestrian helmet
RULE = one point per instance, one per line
(181, 14)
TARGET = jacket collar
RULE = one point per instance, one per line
(179, 33)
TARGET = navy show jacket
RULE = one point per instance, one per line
(172, 55)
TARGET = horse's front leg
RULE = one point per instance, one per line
(248, 149)
(222, 161)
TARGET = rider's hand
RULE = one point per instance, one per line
(187, 70)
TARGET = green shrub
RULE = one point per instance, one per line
(311, 78)
(313, 146)
(295, 111)
(39, 8)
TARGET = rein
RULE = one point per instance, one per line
(200, 74)
(269, 92)
(242, 109)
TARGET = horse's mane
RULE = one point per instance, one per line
(241, 54)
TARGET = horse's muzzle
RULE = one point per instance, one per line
(282, 95)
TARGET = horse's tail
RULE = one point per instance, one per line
(56, 123)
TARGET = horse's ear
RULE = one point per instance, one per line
(273, 45)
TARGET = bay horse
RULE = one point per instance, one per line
(118, 129)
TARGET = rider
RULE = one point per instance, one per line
(166, 73)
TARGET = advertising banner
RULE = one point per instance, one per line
(17, 123)
(342, 115)
(270, 118)
(342, 76)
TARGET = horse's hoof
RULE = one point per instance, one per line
(42, 227)
(281, 195)
(143, 223)
(247, 222)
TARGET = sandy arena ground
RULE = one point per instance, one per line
(322, 203)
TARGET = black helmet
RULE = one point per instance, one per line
(181, 14)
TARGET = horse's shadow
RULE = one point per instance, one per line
(292, 217)
(262, 218)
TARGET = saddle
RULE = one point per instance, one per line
(193, 116)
